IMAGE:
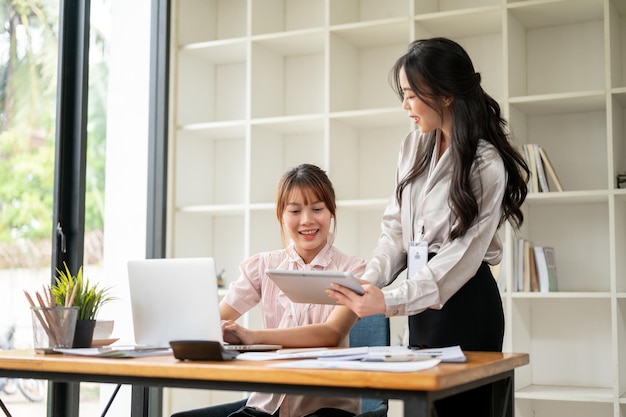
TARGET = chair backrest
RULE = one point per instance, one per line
(371, 331)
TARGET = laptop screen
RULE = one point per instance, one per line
(174, 299)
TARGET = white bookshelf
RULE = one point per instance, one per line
(261, 85)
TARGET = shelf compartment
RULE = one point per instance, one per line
(480, 34)
(276, 147)
(211, 82)
(571, 408)
(542, 13)
(218, 236)
(621, 340)
(564, 393)
(555, 48)
(352, 11)
(434, 6)
(272, 16)
(567, 343)
(618, 136)
(584, 170)
(567, 197)
(620, 241)
(379, 33)
(288, 75)
(365, 156)
(210, 167)
(360, 65)
(559, 103)
(207, 20)
(265, 231)
(460, 24)
(358, 230)
(617, 34)
(583, 263)
(392, 116)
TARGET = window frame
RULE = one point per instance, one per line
(70, 166)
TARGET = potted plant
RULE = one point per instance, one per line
(70, 290)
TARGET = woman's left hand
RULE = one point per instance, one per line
(368, 304)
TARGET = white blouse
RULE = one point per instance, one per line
(426, 199)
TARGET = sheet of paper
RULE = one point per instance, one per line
(447, 354)
(301, 354)
(359, 365)
(369, 354)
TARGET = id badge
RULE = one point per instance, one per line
(417, 257)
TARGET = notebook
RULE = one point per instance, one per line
(172, 299)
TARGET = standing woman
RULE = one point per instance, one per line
(458, 180)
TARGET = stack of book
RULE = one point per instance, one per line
(536, 267)
(543, 177)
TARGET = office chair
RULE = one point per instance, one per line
(368, 331)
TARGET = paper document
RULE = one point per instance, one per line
(117, 352)
(301, 354)
(363, 354)
(447, 354)
(359, 365)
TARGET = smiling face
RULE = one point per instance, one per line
(423, 115)
(307, 221)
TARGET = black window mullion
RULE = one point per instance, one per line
(158, 129)
(70, 162)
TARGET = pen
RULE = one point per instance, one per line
(407, 358)
(300, 350)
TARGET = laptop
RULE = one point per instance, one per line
(176, 299)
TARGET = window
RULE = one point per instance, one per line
(116, 158)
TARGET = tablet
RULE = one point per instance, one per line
(309, 286)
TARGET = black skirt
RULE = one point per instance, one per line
(473, 319)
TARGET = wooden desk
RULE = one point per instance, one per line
(417, 390)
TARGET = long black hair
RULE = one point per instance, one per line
(439, 68)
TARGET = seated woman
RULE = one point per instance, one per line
(305, 209)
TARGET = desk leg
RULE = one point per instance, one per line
(503, 397)
(146, 401)
(419, 405)
(63, 399)
(4, 408)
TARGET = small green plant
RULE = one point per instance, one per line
(77, 291)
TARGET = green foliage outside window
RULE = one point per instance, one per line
(28, 79)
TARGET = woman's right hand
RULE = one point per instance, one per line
(370, 303)
(236, 334)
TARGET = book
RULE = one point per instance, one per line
(534, 279)
(551, 265)
(529, 155)
(550, 169)
(545, 260)
(526, 265)
(519, 264)
(541, 174)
